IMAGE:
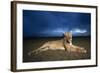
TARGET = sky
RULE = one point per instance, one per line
(54, 24)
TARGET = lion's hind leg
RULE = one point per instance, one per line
(39, 50)
(33, 52)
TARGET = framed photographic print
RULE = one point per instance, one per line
(52, 36)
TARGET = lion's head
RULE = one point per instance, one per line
(68, 37)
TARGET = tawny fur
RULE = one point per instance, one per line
(64, 44)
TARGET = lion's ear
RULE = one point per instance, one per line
(70, 34)
(65, 33)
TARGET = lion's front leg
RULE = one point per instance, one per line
(67, 47)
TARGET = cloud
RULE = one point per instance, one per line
(77, 31)
(59, 31)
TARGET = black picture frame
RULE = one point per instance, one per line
(14, 37)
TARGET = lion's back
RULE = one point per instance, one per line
(55, 44)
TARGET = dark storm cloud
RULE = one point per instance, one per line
(49, 23)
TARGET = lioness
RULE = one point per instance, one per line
(63, 44)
